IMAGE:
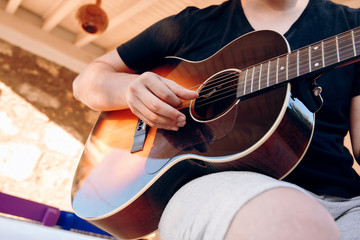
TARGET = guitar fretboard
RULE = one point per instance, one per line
(310, 59)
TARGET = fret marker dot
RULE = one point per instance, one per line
(282, 68)
(316, 64)
(316, 48)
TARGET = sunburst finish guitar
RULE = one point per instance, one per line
(247, 118)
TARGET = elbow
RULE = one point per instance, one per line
(79, 90)
(94, 87)
(85, 93)
(75, 89)
(85, 96)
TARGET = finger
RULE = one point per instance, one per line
(159, 122)
(159, 86)
(162, 101)
(158, 101)
(181, 91)
(152, 118)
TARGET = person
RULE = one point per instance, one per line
(320, 199)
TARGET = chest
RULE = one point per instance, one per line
(271, 17)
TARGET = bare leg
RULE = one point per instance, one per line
(283, 213)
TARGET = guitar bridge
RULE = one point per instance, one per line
(141, 132)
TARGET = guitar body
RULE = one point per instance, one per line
(125, 193)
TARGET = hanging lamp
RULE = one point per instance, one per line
(92, 18)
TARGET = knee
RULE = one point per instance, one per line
(283, 213)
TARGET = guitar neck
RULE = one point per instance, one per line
(312, 59)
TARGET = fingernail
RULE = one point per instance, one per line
(181, 124)
(174, 128)
(181, 121)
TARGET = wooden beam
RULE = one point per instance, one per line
(59, 14)
(33, 39)
(12, 6)
(83, 38)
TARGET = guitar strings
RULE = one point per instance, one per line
(273, 70)
(255, 84)
(231, 88)
(306, 48)
(226, 78)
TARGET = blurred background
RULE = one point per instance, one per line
(42, 49)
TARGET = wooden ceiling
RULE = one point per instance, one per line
(49, 28)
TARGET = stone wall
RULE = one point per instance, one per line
(42, 127)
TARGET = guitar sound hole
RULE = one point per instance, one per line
(217, 96)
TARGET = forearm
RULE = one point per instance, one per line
(101, 87)
(355, 127)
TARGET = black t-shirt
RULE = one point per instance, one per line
(195, 34)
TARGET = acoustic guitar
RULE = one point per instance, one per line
(255, 112)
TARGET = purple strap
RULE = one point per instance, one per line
(47, 215)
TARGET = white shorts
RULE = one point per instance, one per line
(205, 207)
(346, 213)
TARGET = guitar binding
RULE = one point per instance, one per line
(217, 96)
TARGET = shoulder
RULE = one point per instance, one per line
(168, 36)
(194, 14)
(322, 19)
(333, 12)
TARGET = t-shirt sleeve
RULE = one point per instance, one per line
(162, 39)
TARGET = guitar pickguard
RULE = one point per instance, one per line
(193, 137)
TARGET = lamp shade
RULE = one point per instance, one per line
(92, 18)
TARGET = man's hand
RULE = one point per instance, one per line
(155, 100)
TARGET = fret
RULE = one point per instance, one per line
(345, 46)
(256, 78)
(246, 80)
(241, 84)
(303, 61)
(252, 80)
(260, 75)
(282, 69)
(268, 74)
(292, 65)
(287, 66)
(277, 71)
(316, 57)
(357, 40)
(249, 81)
(264, 75)
(309, 49)
(297, 63)
(272, 72)
(330, 52)
(337, 48)
(323, 53)
(353, 42)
